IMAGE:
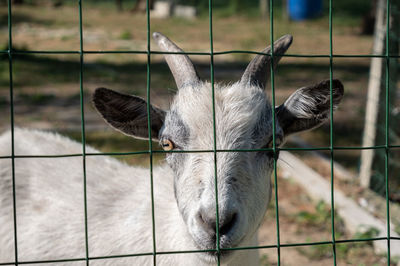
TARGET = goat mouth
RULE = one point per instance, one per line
(227, 248)
(225, 244)
(223, 254)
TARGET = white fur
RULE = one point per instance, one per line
(50, 203)
(50, 206)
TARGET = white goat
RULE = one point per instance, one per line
(49, 191)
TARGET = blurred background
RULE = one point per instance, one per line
(46, 90)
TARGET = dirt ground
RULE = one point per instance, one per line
(303, 221)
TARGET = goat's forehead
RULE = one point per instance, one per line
(236, 107)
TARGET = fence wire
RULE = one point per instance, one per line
(278, 246)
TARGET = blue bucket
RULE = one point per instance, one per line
(304, 9)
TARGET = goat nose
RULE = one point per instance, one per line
(207, 221)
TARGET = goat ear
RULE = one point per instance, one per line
(127, 113)
(309, 107)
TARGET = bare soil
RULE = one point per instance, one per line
(293, 203)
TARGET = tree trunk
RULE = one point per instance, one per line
(264, 7)
(380, 105)
(119, 5)
(140, 6)
(373, 101)
(368, 20)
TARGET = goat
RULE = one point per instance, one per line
(49, 191)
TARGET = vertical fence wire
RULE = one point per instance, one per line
(148, 82)
(331, 144)
(210, 15)
(274, 148)
(387, 58)
(10, 66)
(83, 134)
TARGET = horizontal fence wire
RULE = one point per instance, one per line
(145, 52)
(286, 245)
(154, 253)
(199, 151)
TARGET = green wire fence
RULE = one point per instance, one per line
(278, 246)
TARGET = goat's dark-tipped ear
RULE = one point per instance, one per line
(309, 107)
(128, 114)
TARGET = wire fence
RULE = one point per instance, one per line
(331, 148)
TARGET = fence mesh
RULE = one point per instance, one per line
(331, 148)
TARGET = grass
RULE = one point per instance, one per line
(37, 98)
(126, 35)
(320, 220)
(39, 71)
(320, 217)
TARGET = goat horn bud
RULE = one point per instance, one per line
(181, 66)
(259, 69)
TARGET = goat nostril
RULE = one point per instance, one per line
(228, 225)
(208, 223)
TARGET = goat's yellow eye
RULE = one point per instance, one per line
(167, 145)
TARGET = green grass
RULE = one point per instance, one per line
(33, 70)
(36, 98)
(320, 219)
(126, 35)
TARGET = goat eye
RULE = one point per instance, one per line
(167, 145)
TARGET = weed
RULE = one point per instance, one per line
(346, 251)
(397, 228)
(318, 218)
(67, 37)
(126, 35)
(264, 260)
(317, 252)
(368, 233)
